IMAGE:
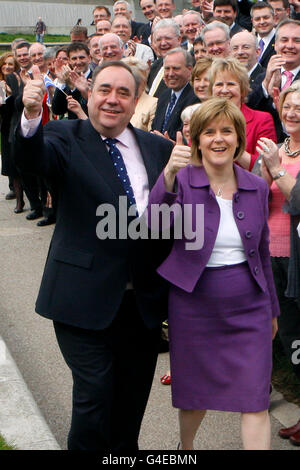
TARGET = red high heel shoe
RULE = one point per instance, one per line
(166, 379)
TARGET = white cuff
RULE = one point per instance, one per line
(29, 126)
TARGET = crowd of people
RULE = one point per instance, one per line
(216, 98)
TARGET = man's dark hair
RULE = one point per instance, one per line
(117, 63)
(77, 46)
(102, 7)
(285, 3)
(23, 44)
(198, 40)
(63, 48)
(221, 3)
(79, 30)
(260, 6)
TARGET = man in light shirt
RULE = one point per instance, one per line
(111, 47)
(102, 292)
(263, 21)
(122, 27)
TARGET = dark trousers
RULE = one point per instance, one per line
(32, 190)
(289, 319)
(112, 376)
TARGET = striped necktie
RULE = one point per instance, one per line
(169, 111)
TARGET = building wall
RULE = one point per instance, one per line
(21, 16)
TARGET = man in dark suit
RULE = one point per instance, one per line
(148, 8)
(166, 36)
(244, 47)
(282, 70)
(122, 7)
(100, 285)
(79, 60)
(191, 25)
(178, 65)
(227, 10)
(30, 183)
(262, 15)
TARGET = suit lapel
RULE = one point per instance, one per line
(96, 153)
(163, 106)
(178, 106)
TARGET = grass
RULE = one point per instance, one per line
(283, 377)
(4, 445)
(5, 37)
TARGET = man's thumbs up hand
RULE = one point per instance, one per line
(33, 94)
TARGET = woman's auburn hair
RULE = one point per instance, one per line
(210, 110)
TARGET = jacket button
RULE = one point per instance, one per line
(251, 252)
(256, 270)
(240, 215)
(248, 234)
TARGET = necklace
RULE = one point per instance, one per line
(287, 149)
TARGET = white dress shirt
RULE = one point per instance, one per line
(131, 154)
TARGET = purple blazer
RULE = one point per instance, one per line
(183, 267)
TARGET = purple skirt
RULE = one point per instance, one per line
(221, 342)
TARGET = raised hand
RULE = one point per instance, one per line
(270, 154)
(65, 75)
(130, 51)
(273, 70)
(75, 107)
(33, 94)
(80, 82)
(180, 158)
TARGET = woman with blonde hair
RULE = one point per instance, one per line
(222, 300)
(146, 105)
(281, 168)
(229, 79)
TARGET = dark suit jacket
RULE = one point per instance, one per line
(183, 268)
(267, 53)
(59, 102)
(136, 28)
(243, 17)
(257, 75)
(175, 124)
(85, 278)
(236, 29)
(145, 32)
(17, 88)
(155, 68)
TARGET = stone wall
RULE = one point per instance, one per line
(21, 16)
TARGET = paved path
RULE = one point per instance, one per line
(43, 374)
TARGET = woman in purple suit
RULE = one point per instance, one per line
(222, 304)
